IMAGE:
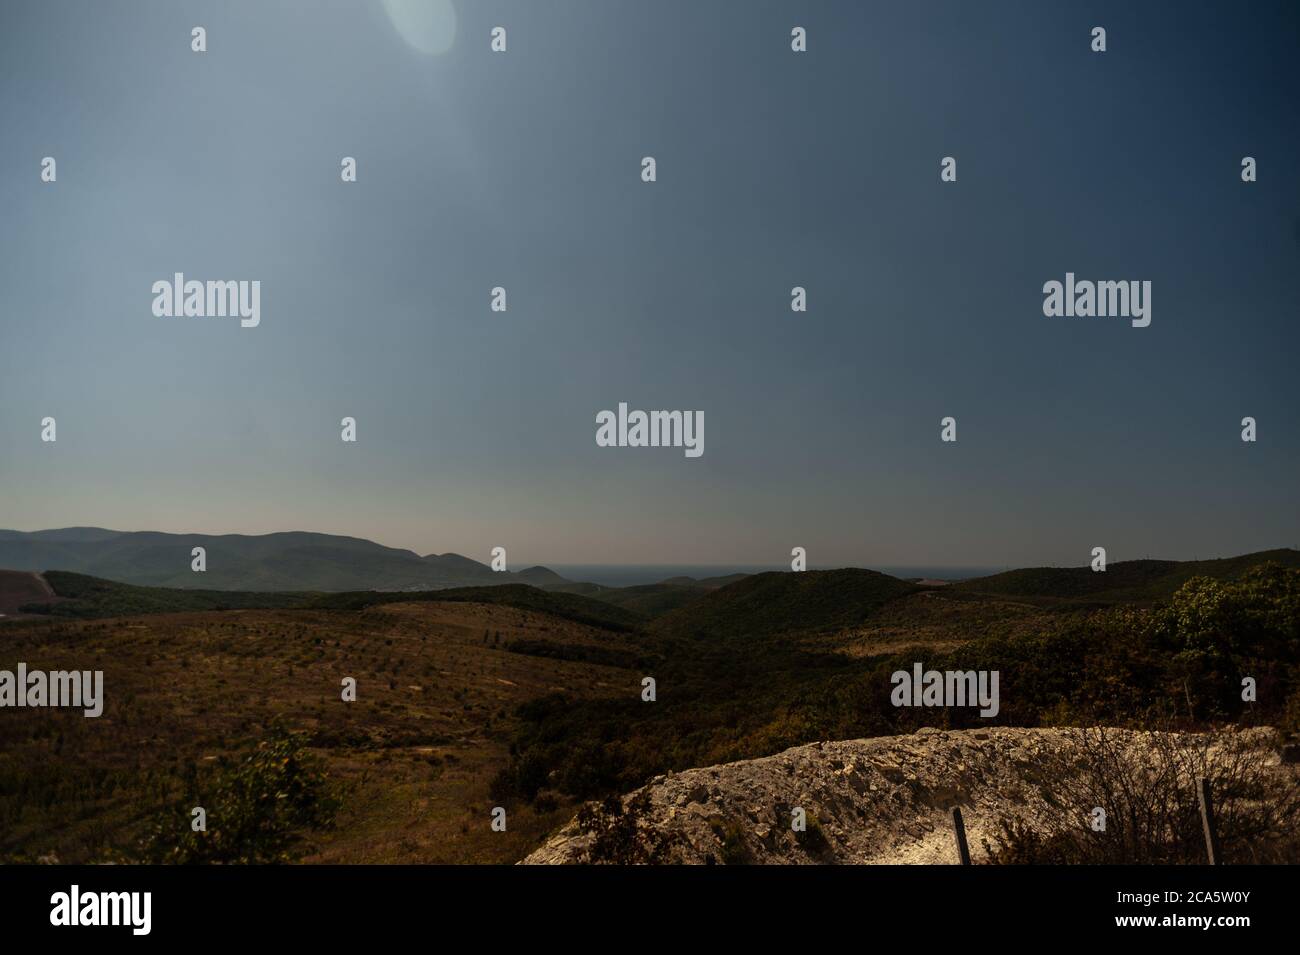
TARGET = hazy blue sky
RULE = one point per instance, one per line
(775, 169)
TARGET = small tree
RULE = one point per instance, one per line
(256, 809)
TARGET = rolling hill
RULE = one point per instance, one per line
(1129, 581)
(772, 603)
(61, 594)
(477, 697)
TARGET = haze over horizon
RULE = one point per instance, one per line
(476, 429)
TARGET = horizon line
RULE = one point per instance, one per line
(529, 564)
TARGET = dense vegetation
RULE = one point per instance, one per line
(257, 808)
(741, 695)
(775, 603)
(652, 600)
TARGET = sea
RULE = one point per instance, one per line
(631, 575)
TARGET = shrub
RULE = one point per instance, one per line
(256, 809)
(621, 833)
(1152, 811)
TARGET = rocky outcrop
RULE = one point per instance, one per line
(882, 800)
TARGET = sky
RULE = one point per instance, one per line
(522, 169)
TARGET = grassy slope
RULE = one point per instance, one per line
(438, 687)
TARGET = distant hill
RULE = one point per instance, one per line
(579, 609)
(291, 569)
(1129, 581)
(704, 583)
(653, 600)
(542, 577)
(88, 598)
(291, 561)
(773, 603)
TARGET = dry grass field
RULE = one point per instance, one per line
(413, 756)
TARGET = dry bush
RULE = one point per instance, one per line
(623, 833)
(1147, 786)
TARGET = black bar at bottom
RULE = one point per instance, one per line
(334, 903)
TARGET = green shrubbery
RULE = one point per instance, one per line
(257, 808)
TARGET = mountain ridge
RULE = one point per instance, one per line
(279, 561)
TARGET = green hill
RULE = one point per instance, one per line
(774, 603)
(652, 600)
(1130, 581)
